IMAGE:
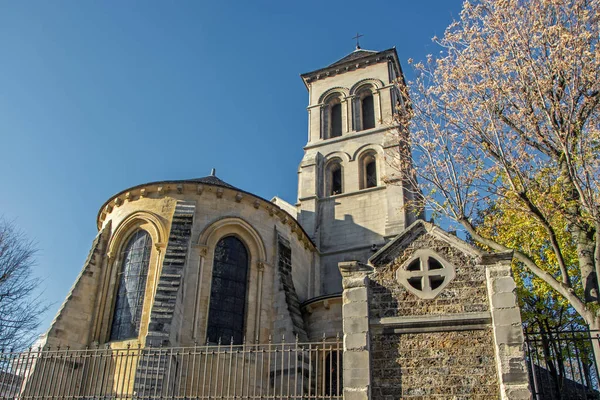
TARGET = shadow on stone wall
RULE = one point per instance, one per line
(386, 371)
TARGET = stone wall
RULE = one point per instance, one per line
(457, 365)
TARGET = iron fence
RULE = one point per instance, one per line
(282, 370)
(561, 364)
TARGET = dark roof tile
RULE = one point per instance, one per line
(355, 55)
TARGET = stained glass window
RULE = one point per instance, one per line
(132, 286)
(228, 292)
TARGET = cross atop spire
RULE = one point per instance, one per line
(357, 37)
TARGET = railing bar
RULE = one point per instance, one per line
(156, 384)
(330, 371)
(219, 375)
(339, 367)
(193, 370)
(269, 351)
(235, 369)
(105, 372)
(302, 376)
(91, 377)
(9, 360)
(210, 373)
(70, 381)
(8, 376)
(262, 375)
(122, 377)
(12, 362)
(204, 372)
(120, 359)
(42, 377)
(36, 370)
(537, 356)
(58, 390)
(289, 350)
(570, 358)
(134, 359)
(166, 388)
(296, 368)
(579, 365)
(229, 369)
(310, 371)
(187, 368)
(282, 368)
(246, 352)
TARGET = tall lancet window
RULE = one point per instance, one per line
(368, 170)
(132, 287)
(336, 120)
(334, 179)
(228, 292)
(371, 173)
(368, 112)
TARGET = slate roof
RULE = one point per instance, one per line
(212, 180)
(355, 55)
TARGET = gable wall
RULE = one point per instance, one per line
(425, 362)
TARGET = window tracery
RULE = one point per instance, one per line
(132, 279)
(425, 274)
(228, 292)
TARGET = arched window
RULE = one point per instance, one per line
(368, 173)
(331, 118)
(336, 120)
(363, 109)
(132, 287)
(368, 112)
(228, 292)
(334, 179)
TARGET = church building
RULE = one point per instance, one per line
(347, 292)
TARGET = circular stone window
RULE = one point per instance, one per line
(425, 274)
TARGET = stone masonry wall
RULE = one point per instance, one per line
(458, 365)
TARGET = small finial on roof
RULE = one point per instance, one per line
(213, 172)
(357, 43)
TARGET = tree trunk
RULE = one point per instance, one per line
(595, 331)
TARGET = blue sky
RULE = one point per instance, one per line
(98, 96)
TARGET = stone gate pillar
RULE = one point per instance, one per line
(355, 313)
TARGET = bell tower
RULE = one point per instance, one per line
(343, 202)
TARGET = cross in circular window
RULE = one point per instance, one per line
(425, 274)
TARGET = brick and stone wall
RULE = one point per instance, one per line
(457, 365)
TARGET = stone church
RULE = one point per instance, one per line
(415, 312)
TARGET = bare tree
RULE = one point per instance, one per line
(509, 111)
(20, 306)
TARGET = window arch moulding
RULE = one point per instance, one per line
(130, 296)
(155, 228)
(209, 239)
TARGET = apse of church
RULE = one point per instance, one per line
(197, 289)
